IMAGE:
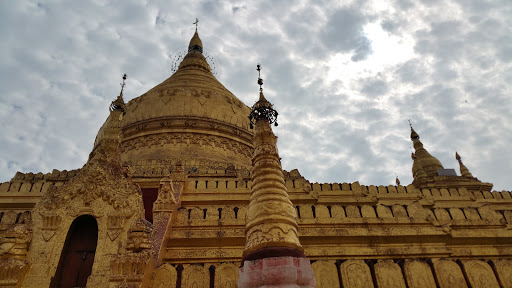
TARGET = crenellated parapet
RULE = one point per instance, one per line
(55, 176)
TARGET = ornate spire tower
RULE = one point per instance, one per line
(422, 159)
(119, 104)
(464, 171)
(272, 248)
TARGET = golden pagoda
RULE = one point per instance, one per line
(179, 190)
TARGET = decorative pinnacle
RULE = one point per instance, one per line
(414, 135)
(463, 169)
(195, 42)
(119, 104)
(197, 21)
(260, 81)
(262, 109)
(123, 84)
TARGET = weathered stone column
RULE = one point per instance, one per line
(273, 255)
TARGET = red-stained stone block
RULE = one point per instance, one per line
(277, 272)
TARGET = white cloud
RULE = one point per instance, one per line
(345, 78)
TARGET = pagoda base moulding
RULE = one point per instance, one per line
(277, 272)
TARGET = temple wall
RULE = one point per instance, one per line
(355, 235)
(415, 273)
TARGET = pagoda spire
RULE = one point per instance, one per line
(262, 109)
(119, 104)
(464, 171)
(194, 57)
(271, 229)
(422, 158)
(195, 43)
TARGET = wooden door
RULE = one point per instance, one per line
(77, 256)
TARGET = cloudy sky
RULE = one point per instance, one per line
(345, 77)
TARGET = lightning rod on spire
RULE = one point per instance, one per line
(260, 81)
(197, 21)
(123, 84)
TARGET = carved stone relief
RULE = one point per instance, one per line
(226, 275)
(9, 218)
(14, 242)
(355, 274)
(449, 274)
(384, 211)
(195, 276)
(389, 274)
(50, 225)
(353, 211)
(12, 271)
(167, 95)
(187, 139)
(115, 224)
(326, 274)
(368, 211)
(165, 276)
(139, 236)
(419, 274)
(504, 269)
(480, 274)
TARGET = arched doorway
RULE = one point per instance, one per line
(77, 256)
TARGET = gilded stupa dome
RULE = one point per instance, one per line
(191, 91)
(424, 163)
(190, 117)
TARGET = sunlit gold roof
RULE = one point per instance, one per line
(191, 91)
(190, 115)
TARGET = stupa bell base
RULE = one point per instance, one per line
(293, 270)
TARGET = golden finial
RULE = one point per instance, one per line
(123, 84)
(260, 81)
(464, 171)
(262, 109)
(195, 42)
(197, 21)
(414, 135)
(119, 104)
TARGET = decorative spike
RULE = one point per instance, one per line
(195, 43)
(197, 21)
(464, 171)
(119, 104)
(262, 109)
(414, 135)
(260, 81)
